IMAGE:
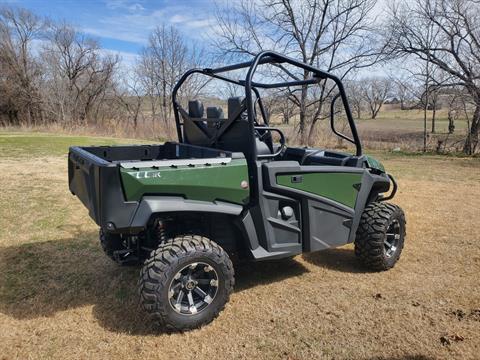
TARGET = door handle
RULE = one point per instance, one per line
(297, 179)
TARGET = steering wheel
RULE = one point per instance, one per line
(263, 132)
(261, 135)
(283, 146)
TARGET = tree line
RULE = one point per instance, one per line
(52, 73)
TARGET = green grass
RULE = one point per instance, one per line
(409, 121)
(20, 144)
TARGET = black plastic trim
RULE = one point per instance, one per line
(150, 205)
(394, 190)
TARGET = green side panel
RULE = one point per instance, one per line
(199, 182)
(374, 163)
(334, 186)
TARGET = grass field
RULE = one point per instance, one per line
(61, 298)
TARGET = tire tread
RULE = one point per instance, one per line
(154, 276)
(369, 247)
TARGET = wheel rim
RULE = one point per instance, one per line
(392, 239)
(193, 288)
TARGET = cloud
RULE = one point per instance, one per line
(131, 27)
(127, 58)
(178, 19)
(134, 26)
(112, 32)
(124, 5)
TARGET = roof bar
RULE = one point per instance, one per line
(240, 65)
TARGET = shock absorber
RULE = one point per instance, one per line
(159, 231)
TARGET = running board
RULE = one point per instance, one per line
(261, 254)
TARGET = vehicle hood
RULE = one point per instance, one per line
(373, 163)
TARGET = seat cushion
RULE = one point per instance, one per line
(195, 109)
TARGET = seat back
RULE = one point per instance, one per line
(234, 105)
(195, 132)
(195, 109)
(233, 139)
(215, 117)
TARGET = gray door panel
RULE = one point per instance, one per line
(325, 223)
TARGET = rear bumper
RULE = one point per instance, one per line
(97, 184)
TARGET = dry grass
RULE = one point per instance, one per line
(60, 297)
(393, 128)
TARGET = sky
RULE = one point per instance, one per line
(123, 26)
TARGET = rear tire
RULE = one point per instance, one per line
(380, 236)
(185, 283)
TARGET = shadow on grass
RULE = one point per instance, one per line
(405, 357)
(41, 279)
(251, 274)
(339, 259)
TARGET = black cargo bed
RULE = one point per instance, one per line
(94, 174)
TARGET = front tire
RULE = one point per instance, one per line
(380, 236)
(186, 282)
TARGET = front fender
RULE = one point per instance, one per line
(166, 204)
(372, 185)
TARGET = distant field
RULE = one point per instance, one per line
(409, 120)
(392, 129)
(61, 298)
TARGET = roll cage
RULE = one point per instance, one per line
(251, 87)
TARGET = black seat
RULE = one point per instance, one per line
(195, 109)
(234, 106)
(195, 132)
(233, 138)
(215, 117)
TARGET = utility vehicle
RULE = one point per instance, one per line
(226, 190)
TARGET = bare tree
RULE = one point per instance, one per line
(231, 89)
(403, 88)
(445, 33)
(164, 60)
(78, 75)
(374, 92)
(355, 97)
(286, 108)
(129, 93)
(19, 71)
(333, 35)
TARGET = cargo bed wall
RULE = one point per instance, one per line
(97, 184)
(208, 181)
(168, 150)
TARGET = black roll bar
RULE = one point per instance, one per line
(332, 121)
(269, 57)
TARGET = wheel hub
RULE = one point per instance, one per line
(190, 284)
(193, 288)
(392, 239)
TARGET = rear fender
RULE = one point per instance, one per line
(241, 220)
(150, 205)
